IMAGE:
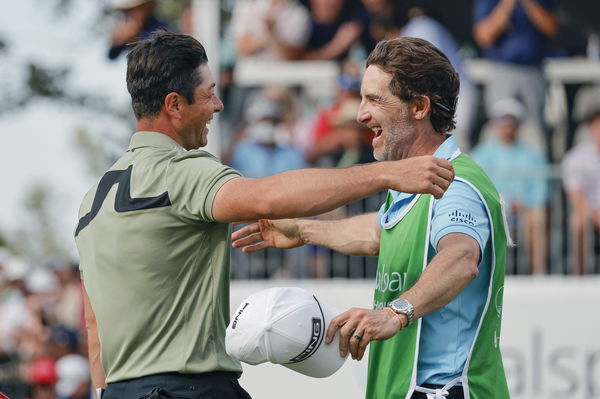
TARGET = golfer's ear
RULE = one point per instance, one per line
(173, 104)
(421, 107)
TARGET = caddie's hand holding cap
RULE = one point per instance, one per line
(287, 326)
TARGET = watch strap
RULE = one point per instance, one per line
(397, 315)
(408, 312)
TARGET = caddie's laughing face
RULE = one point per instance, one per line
(386, 115)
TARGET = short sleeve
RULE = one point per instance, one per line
(194, 178)
(460, 210)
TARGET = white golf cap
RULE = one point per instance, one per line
(72, 371)
(509, 107)
(286, 326)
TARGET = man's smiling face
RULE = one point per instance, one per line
(386, 115)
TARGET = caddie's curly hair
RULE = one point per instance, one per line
(164, 63)
(418, 68)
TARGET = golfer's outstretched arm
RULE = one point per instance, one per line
(310, 192)
(358, 235)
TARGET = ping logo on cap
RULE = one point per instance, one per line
(315, 341)
(317, 334)
(286, 326)
(238, 314)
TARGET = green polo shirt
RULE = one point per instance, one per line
(155, 264)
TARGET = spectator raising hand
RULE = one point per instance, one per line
(334, 29)
(515, 34)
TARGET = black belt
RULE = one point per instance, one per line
(217, 384)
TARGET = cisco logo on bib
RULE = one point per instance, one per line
(462, 216)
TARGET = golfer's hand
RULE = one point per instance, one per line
(422, 175)
(366, 324)
(265, 233)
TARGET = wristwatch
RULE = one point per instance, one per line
(402, 306)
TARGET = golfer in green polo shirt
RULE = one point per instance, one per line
(153, 233)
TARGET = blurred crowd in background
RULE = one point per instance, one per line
(43, 350)
(550, 184)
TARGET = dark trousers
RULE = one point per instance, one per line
(213, 385)
(456, 392)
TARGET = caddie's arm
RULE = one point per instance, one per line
(448, 273)
(310, 192)
(358, 235)
(97, 372)
(451, 269)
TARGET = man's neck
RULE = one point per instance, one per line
(426, 143)
(159, 125)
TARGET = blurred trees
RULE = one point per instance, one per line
(37, 235)
(29, 80)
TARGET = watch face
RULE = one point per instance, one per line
(403, 306)
(400, 305)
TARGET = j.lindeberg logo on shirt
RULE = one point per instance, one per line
(462, 216)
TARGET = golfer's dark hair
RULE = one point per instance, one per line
(418, 68)
(165, 62)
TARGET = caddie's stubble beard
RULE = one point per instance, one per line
(397, 142)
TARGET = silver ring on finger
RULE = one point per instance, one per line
(356, 336)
